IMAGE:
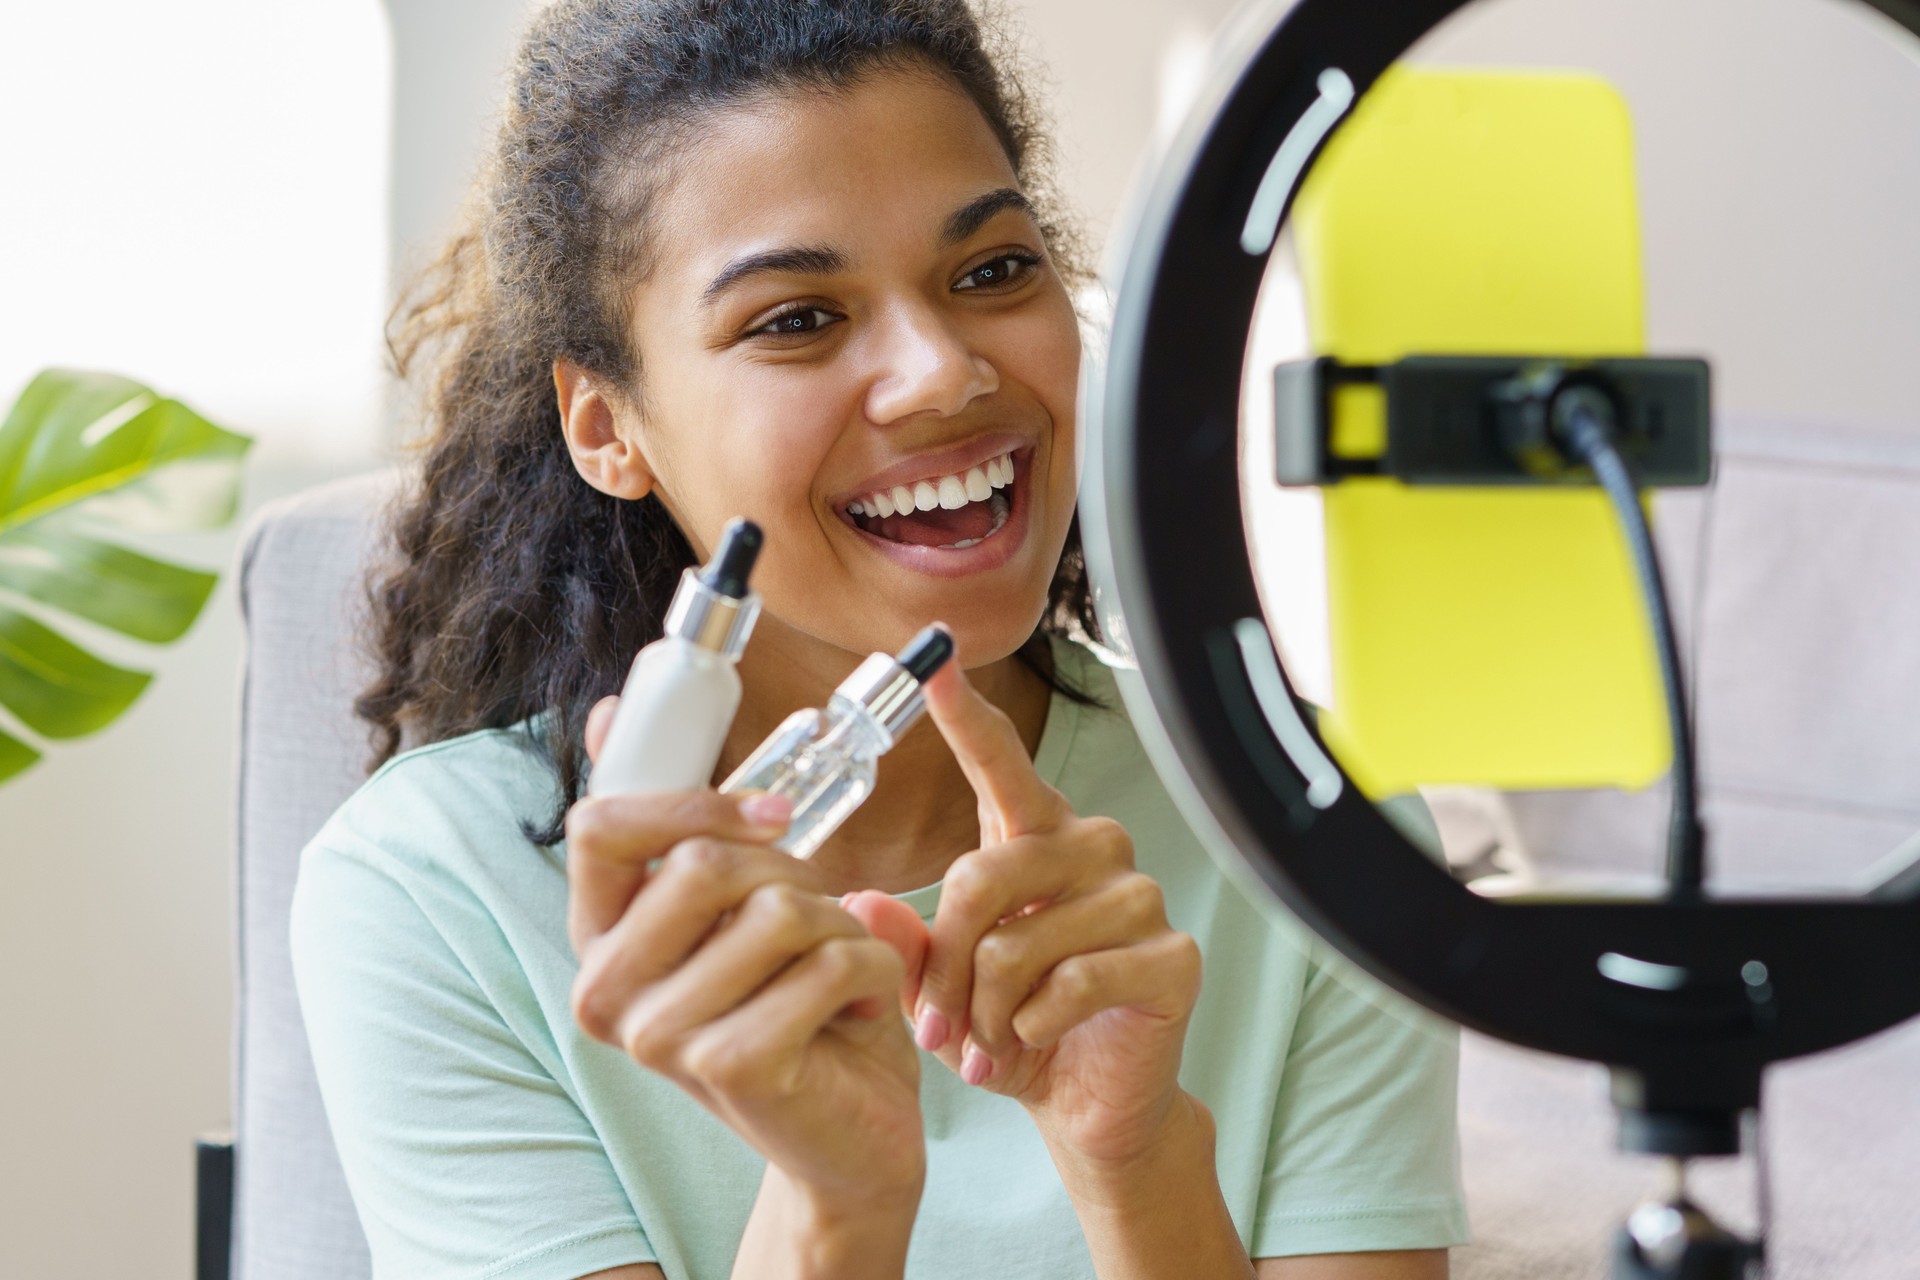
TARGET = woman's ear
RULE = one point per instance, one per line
(606, 458)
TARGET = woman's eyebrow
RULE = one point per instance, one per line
(973, 215)
(798, 260)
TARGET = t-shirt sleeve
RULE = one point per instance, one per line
(464, 1156)
(1364, 1151)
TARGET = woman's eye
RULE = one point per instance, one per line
(1000, 271)
(798, 322)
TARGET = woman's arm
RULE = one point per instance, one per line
(1160, 1214)
(709, 959)
(1164, 1216)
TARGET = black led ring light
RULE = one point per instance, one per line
(1687, 1001)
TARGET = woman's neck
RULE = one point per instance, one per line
(922, 813)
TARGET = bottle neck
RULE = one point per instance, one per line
(710, 619)
(856, 727)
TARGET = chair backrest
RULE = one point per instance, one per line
(301, 754)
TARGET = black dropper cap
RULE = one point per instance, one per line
(730, 567)
(927, 652)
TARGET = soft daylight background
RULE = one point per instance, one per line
(215, 195)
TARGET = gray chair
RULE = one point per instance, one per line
(302, 753)
(1794, 584)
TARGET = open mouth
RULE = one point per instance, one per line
(948, 513)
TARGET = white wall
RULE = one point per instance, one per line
(1779, 149)
(194, 193)
(183, 244)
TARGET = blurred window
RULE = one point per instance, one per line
(195, 194)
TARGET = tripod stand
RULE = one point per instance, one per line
(1668, 1237)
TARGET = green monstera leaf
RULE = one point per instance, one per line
(86, 458)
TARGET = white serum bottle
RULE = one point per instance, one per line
(682, 693)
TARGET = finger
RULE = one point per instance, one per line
(611, 839)
(1159, 978)
(900, 927)
(700, 881)
(991, 754)
(747, 1048)
(775, 925)
(1014, 958)
(599, 720)
(981, 889)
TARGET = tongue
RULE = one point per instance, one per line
(939, 527)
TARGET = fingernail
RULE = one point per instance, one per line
(975, 1066)
(930, 1029)
(767, 809)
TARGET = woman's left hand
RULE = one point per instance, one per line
(1052, 975)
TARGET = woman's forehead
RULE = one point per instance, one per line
(880, 166)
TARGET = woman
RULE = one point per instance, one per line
(780, 259)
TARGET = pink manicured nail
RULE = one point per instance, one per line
(767, 809)
(931, 1030)
(975, 1066)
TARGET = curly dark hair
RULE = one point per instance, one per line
(513, 587)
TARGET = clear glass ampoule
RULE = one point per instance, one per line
(823, 759)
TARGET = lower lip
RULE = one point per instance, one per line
(983, 556)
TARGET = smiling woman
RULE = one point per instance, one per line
(793, 262)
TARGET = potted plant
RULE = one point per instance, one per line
(88, 460)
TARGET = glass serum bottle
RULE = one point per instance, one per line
(823, 759)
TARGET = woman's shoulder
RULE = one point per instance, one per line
(443, 806)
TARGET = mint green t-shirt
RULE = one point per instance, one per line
(484, 1134)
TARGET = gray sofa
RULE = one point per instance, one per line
(1801, 601)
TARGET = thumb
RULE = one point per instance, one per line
(599, 721)
(899, 926)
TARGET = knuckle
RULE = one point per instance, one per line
(966, 884)
(701, 861)
(1109, 840)
(1140, 899)
(1189, 957)
(642, 1038)
(998, 955)
(1074, 979)
(718, 1063)
(839, 960)
(591, 1011)
(587, 826)
(778, 908)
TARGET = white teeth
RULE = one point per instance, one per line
(976, 484)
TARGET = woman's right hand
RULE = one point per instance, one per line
(715, 960)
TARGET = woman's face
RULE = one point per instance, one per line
(849, 317)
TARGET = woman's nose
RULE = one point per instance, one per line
(926, 367)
